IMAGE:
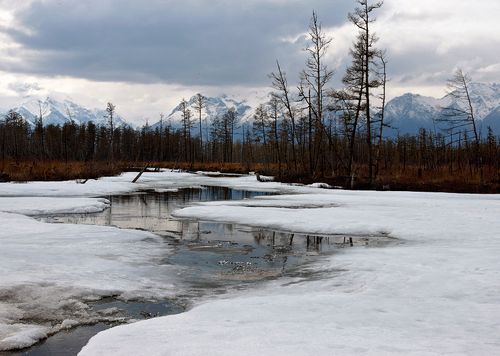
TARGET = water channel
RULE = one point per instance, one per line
(216, 257)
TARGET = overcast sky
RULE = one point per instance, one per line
(146, 55)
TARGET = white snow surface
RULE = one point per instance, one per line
(434, 291)
(52, 205)
(122, 185)
(49, 272)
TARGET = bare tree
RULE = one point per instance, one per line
(110, 113)
(160, 138)
(280, 83)
(40, 130)
(313, 80)
(231, 116)
(199, 104)
(274, 107)
(381, 109)
(361, 18)
(349, 101)
(460, 114)
(187, 124)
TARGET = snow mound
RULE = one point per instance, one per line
(320, 185)
(49, 205)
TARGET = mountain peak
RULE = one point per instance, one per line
(60, 110)
(410, 112)
(214, 106)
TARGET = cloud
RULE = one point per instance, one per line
(24, 88)
(428, 40)
(145, 56)
(189, 42)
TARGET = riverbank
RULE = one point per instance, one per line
(82, 248)
(411, 178)
(434, 292)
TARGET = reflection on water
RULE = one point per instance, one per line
(216, 257)
(151, 211)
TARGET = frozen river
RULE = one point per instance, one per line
(209, 259)
(246, 268)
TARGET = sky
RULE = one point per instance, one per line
(145, 56)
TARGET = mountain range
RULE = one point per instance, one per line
(406, 114)
(213, 107)
(59, 111)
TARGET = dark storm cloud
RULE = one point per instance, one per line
(187, 42)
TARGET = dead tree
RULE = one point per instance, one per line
(40, 131)
(199, 104)
(187, 124)
(274, 107)
(381, 109)
(460, 113)
(280, 83)
(313, 80)
(361, 18)
(350, 100)
(110, 113)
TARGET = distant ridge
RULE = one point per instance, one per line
(410, 112)
(406, 114)
(61, 111)
(214, 106)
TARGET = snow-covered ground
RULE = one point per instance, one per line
(51, 205)
(435, 291)
(49, 272)
(122, 184)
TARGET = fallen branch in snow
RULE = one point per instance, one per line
(140, 173)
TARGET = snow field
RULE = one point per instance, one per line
(435, 291)
(50, 272)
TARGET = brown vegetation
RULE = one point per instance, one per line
(302, 134)
(56, 170)
(412, 178)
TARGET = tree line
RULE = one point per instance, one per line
(308, 129)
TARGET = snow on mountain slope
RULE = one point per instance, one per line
(485, 98)
(410, 112)
(214, 107)
(492, 120)
(61, 110)
(406, 113)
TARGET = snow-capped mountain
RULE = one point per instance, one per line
(213, 107)
(493, 120)
(410, 112)
(59, 111)
(406, 113)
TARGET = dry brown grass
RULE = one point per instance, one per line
(57, 170)
(439, 179)
(412, 178)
